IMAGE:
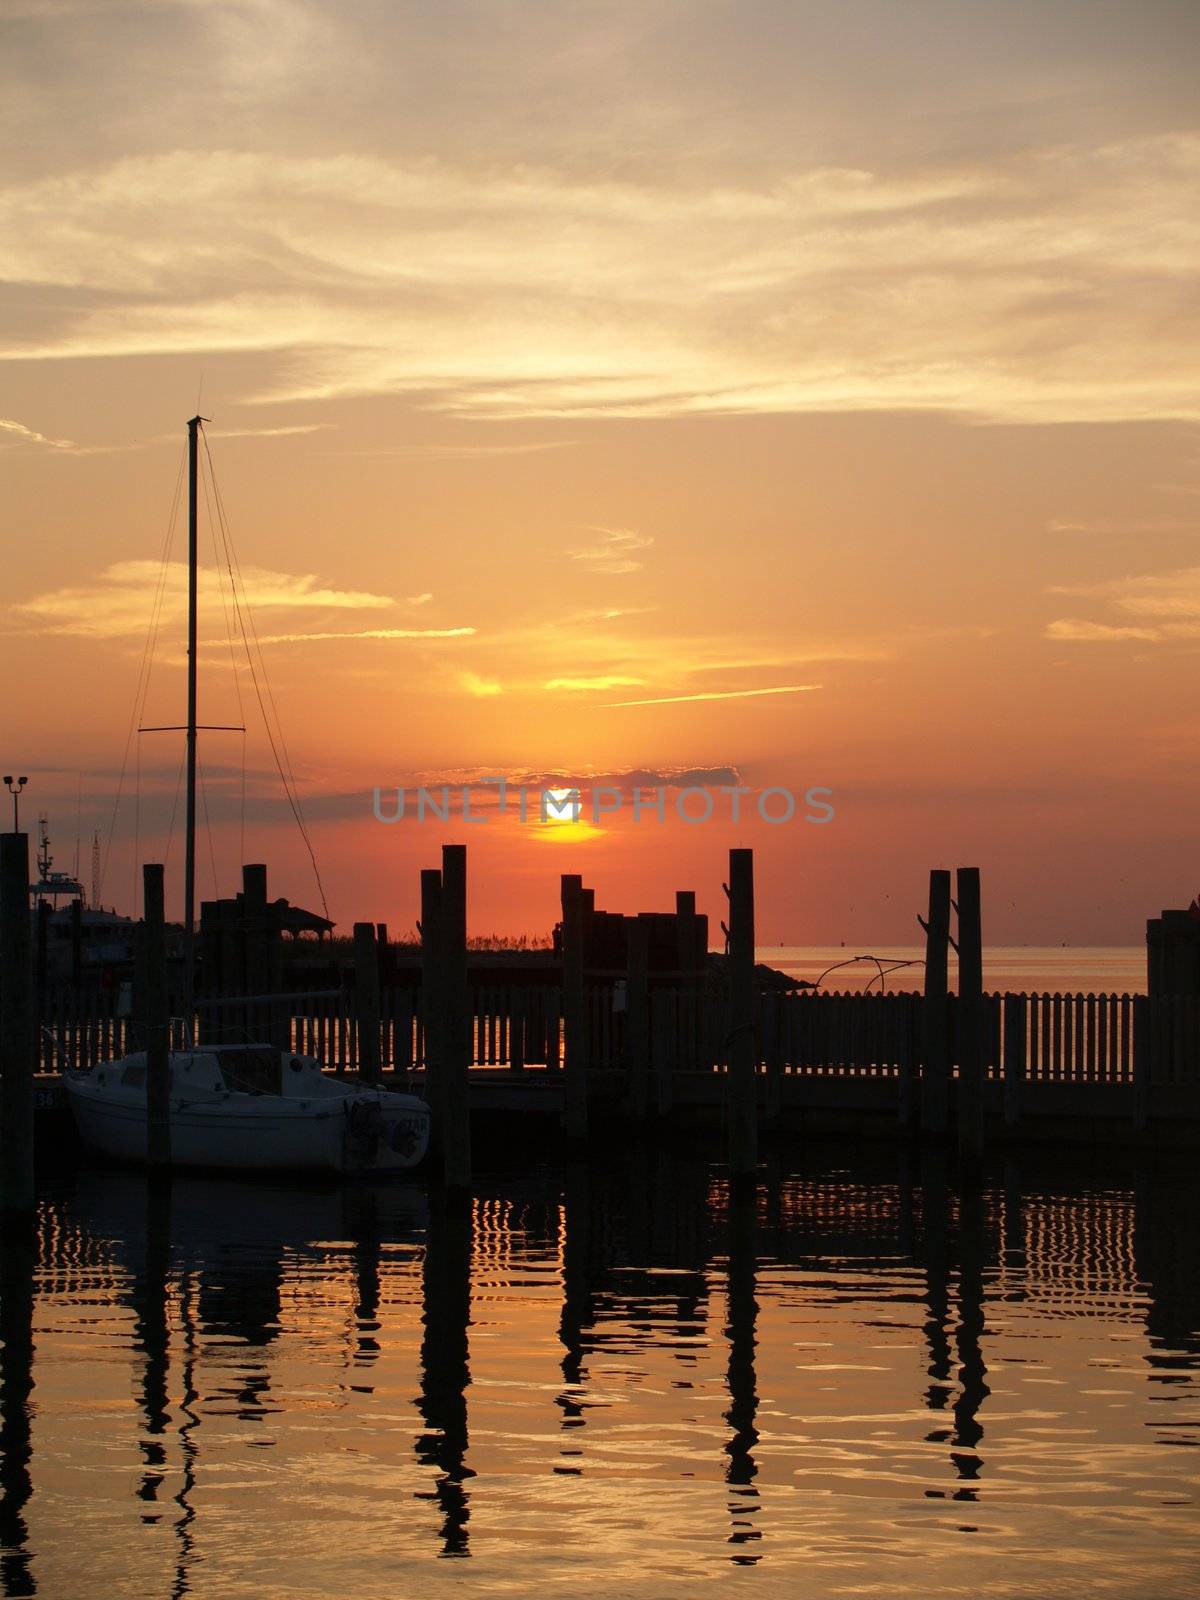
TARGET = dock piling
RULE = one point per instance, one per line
(366, 1000)
(935, 1071)
(637, 1017)
(18, 1039)
(156, 1019)
(741, 1043)
(456, 1141)
(971, 1065)
(574, 1017)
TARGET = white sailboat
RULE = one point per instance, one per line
(245, 1107)
(251, 1108)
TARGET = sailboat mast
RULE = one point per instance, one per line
(189, 862)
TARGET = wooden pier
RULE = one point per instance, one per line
(697, 1044)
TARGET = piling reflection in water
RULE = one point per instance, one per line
(740, 1376)
(445, 1371)
(1006, 1362)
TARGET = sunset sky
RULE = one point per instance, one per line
(579, 370)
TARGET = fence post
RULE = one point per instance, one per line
(1014, 1057)
(453, 940)
(18, 1028)
(742, 1085)
(1143, 1059)
(156, 1019)
(517, 1012)
(366, 1000)
(970, 1019)
(574, 1018)
(935, 1086)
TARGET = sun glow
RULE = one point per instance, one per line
(564, 819)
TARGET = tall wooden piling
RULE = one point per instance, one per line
(433, 1006)
(575, 1042)
(935, 1066)
(18, 1038)
(156, 1019)
(456, 1141)
(366, 1000)
(1014, 1057)
(637, 1015)
(971, 1067)
(690, 956)
(741, 1043)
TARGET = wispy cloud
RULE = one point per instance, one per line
(120, 601)
(482, 688)
(462, 452)
(1075, 630)
(726, 694)
(267, 433)
(18, 433)
(371, 633)
(614, 550)
(1155, 607)
(1114, 525)
(582, 685)
(1006, 288)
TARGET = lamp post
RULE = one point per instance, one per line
(15, 790)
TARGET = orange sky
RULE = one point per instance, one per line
(564, 357)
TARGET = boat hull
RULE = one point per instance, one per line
(373, 1133)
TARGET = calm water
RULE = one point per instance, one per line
(1049, 969)
(606, 1383)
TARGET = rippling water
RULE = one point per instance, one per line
(606, 1382)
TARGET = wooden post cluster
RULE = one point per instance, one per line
(18, 1040)
(156, 1019)
(970, 1020)
(935, 1066)
(742, 1045)
(575, 1040)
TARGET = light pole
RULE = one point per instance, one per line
(15, 790)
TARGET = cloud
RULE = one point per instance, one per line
(264, 433)
(370, 633)
(726, 694)
(613, 551)
(120, 602)
(1003, 286)
(1157, 607)
(482, 688)
(582, 685)
(461, 452)
(1110, 525)
(20, 434)
(1074, 630)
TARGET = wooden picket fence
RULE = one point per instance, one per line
(1035, 1038)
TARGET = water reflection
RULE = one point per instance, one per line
(973, 1391)
(741, 1470)
(606, 1373)
(17, 1261)
(445, 1370)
